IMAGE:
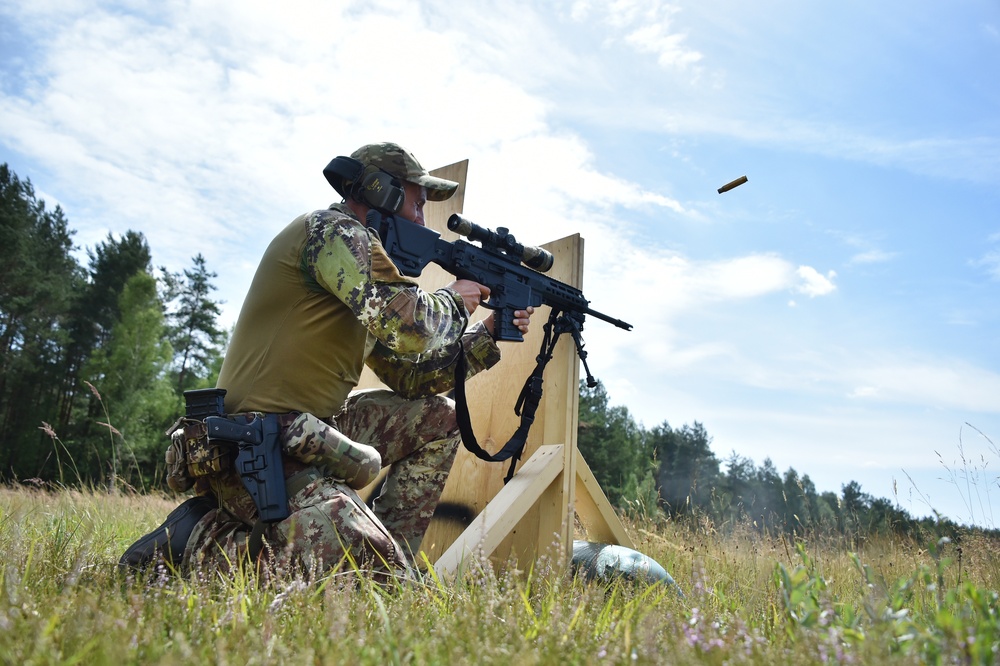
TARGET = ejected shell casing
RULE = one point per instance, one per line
(730, 185)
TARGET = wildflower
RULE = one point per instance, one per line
(279, 600)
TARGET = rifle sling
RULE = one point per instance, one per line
(525, 407)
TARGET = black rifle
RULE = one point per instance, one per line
(497, 265)
(513, 286)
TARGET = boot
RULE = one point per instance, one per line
(167, 541)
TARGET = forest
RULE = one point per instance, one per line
(95, 358)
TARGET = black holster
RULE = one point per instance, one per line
(258, 457)
(258, 461)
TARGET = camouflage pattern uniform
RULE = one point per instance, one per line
(325, 300)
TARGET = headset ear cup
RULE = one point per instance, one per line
(380, 190)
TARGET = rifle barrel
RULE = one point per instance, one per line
(611, 320)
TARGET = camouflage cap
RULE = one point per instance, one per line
(394, 159)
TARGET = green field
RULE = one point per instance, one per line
(748, 598)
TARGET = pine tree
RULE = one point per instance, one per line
(612, 444)
(196, 338)
(94, 313)
(689, 471)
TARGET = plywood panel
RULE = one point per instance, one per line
(506, 510)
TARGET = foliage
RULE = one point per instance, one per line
(94, 311)
(80, 346)
(130, 369)
(673, 472)
(748, 599)
(920, 614)
(688, 469)
(611, 442)
(38, 281)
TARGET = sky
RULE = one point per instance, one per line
(836, 314)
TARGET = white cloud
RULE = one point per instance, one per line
(990, 262)
(954, 384)
(813, 283)
(644, 25)
(668, 47)
(679, 283)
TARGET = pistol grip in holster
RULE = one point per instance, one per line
(258, 461)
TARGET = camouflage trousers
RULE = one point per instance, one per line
(329, 526)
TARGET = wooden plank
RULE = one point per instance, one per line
(507, 509)
(547, 530)
(566, 402)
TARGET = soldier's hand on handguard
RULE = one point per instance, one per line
(522, 318)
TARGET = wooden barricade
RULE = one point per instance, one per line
(533, 515)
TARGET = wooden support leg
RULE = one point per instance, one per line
(505, 510)
(539, 476)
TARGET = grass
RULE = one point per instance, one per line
(749, 598)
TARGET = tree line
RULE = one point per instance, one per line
(673, 472)
(95, 358)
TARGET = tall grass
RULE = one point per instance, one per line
(748, 599)
(972, 478)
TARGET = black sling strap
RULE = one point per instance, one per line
(527, 401)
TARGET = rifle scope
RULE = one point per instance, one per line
(503, 241)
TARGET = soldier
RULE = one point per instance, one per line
(325, 300)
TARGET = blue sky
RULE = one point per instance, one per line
(837, 313)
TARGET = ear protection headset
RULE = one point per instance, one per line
(367, 185)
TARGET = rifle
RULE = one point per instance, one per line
(500, 265)
(497, 265)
